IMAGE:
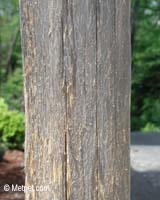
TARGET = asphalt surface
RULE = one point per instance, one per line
(145, 164)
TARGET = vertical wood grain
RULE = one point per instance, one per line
(76, 58)
(80, 65)
(44, 97)
(113, 93)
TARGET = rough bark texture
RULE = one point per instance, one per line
(113, 86)
(76, 57)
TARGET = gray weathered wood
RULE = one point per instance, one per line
(113, 93)
(44, 97)
(80, 65)
(76, 57)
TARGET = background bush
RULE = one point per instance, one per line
(11, 79)
(12, 90)
(145, 65)
(11, 126)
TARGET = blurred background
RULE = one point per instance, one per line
(145, 109)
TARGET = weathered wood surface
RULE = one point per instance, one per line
(80, 65)
(44, 97)
(113, 96)
(76, 56)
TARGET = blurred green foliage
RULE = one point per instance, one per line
(146, 65)
(11, 126)
(11, 79)
(12, 90)
(145, 110)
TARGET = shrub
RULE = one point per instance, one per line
(151, 115)
(11, 126)
(150, 128)
(12, 90)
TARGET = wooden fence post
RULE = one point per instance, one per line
(76, 57)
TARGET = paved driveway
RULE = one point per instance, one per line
(145, 163)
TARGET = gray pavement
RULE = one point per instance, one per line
(145, 164)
